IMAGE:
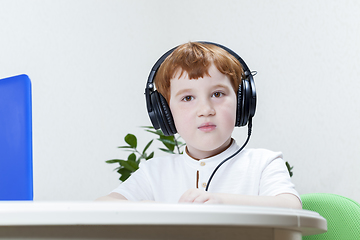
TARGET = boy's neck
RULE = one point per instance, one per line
(198, 155)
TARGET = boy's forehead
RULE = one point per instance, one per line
(212, 71)
(213, 78)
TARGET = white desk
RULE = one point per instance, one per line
(112, 220)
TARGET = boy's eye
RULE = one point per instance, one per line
(217, 94)
(188, 98)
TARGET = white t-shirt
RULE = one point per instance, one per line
(256, 172)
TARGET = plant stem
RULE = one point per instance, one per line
(141, 155)
(177, 145)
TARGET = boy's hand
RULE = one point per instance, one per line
(200, 196)
(286, 200)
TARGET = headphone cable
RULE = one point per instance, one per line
(228, 158)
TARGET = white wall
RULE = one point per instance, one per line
(89, 60)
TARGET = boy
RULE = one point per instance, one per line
(200, 81)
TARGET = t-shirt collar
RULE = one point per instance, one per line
(211, 161)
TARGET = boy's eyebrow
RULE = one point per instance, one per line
(221, 86)
(182, 91)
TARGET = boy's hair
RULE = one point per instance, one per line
(195, 59)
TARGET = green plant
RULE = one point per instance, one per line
(289, 168)
(131, 164)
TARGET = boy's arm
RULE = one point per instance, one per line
(112, 197)
(285, 200)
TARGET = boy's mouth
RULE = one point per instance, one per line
(207, 127)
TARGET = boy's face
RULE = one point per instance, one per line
(204, 112)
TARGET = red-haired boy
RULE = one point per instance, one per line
(200, 82)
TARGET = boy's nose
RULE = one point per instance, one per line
(206, 109)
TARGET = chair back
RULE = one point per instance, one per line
(342, 215)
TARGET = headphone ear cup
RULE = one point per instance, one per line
(243, 100)
(239, 109)
(163, 114)
(253, 97)
(169, 120)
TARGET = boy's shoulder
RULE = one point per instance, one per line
(261, 154)
(262, 151)
(165, 160)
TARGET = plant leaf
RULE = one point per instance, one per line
(180, 143)
(131, 150)
(148, 127)
(130, 165)
(132, 157)
(170, 142)
(157, 132)
(150, 156)
(125, 147)
(147, 146)
(171, 138)
(169, 146)
(125, 174)
(166, 150)
(131, 140)
(289, 169)
(113, 161)
(134, 164)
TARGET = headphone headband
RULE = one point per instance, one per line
(158, 63)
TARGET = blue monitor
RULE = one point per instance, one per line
(16, 174)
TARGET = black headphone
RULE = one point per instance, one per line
(159, 110)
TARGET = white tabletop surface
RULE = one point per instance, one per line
(153, 221)
(115, 213)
